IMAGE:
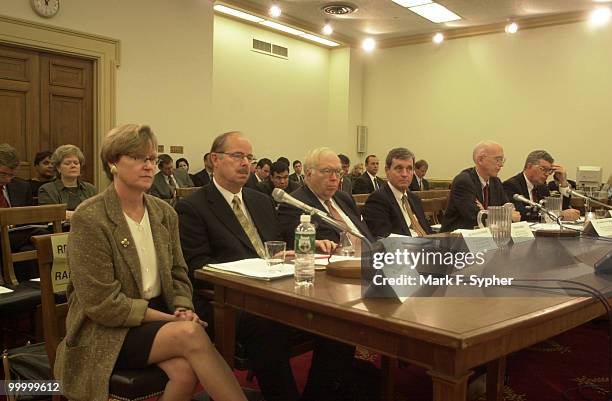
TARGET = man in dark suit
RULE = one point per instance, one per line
(531, 183)
(224, 222)
(168, 179)
(297, 175)
(262, 173)
(279, 178)
(323, 173)
(346, 183)
(368, 182)
(393, 208)
(419, 183)
(476, 188)
(204, 176)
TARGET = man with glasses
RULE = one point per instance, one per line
(476, 188)
(394, 208)
(168, 179)
(531, 183)
(13, 191)
(225, 222)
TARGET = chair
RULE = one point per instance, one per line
(17, 216)
(360, 198)
(439, 184)
(186, 191)
(434, 209)
(125, 384)
(433, 193)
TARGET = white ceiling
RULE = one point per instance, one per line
(383, 19)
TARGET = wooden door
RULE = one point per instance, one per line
(19, 103)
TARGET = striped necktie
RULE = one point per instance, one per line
(414, 222)
(248, 227)
(336, 216)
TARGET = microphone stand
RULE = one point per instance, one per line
(591, 200)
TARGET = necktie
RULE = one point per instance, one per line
(3, 200)
(248, 227)
(416, 226)
(172, 185)
(334, 213)
(534, 195)
(375, 181)
(485, 196)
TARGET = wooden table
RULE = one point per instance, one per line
(448, 336)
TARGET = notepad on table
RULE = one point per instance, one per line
(253, 268)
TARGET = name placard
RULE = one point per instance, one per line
(521, 232)
(480, 240)
(601, 227)
(60, 273)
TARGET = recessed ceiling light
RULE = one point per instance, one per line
(435, 13)
(438, 38)
(327, 29)
(317, 39)
(412, 3)
(237, 13)
(511, 28)
(600, 16)
(368, 44)
(275, 11)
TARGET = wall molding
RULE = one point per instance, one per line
(104, 51)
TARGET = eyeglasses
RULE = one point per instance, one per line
(330, 171)
(500, 160)
(144, 159)
(239, 156)
(547, 171)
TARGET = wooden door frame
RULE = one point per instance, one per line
(105, 53)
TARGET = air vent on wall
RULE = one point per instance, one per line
(270, 49)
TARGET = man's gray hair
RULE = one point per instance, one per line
(537, 155)
(8, 156)
(314, 156)
(482, 147)
(400, 154)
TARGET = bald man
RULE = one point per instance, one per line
(476, 188)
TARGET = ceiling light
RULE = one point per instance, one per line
(512, 27)
(412, 3)
(317, 39)
(600, 16)
(438, 38)
(281, 27)
(368, 44)
(327, 29)
(236, 13)
(275, 11)
(435, 13)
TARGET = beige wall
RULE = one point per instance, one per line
(545, 88)
(285, 106)
(165, 78)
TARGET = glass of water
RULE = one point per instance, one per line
(275, 254)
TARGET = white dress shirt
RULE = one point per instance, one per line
(143, 240)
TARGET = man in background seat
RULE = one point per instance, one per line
(368, 182)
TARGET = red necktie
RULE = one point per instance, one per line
(3, 200)
(485, 196)
(334, 213)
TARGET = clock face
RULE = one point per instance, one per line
(46, 8)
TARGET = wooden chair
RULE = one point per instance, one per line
(439, 184)
(434, 209)
(125, 384)
(433, 193)
(186, 191)
(16, 216)
(360, 198)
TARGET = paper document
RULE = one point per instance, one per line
(4, 290)
(254, 268)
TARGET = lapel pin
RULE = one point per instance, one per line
(125, 242)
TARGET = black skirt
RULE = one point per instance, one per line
(137, 344)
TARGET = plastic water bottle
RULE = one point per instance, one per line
(305, 235)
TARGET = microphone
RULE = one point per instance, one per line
(589, 199)
(281, 196)
(521, 198)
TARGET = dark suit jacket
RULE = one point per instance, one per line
(346, 185)
(19, 192)
(267, 187)
(161, 189)
(289, 216)
(383, 215)
(293, 177)
(252, 181)
(518, 185)
(414, 185)
(200, 178)
(465, 190)
(210, 231)
(364, 185)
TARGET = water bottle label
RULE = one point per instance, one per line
(305, 243)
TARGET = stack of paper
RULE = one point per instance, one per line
(4, 290)
(254, 268)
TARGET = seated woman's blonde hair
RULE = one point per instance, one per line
(126, 140)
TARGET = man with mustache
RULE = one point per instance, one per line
(224, 222)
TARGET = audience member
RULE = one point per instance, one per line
(203, 176)
(476, 188)
(224, 222)
(284, 160)
(393, 209)
(531, 183)
(297, 175)
(44, 172)
(130, 305)
(167, 180)
(368, 182)
(279, 178)
(346, 183)
(262, 173)
(419, 183)
(357, 171)
(67, 188)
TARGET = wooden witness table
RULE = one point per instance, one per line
(448, 336)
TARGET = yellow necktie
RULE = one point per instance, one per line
(416, 226)
(248, 227)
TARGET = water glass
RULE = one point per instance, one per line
(275, 254)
